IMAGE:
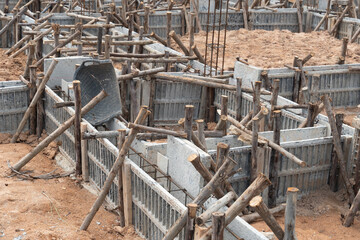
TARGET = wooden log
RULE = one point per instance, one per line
(190, 225)
(290, 213)
(260, 207)
(312, 109)
(84, 154)
(159, 39)
(271, 144)
(307, 58)
(107, 46)
(222, 151)
(247, 118)
(34, 101)
(198, 54)
(256, 98)
(221, 125)
(40, 111)
(146, 19)
(254, 146)
(273, 101)
(342, 57)
(32, 92)
(200, 131)
(355, 36)
(265, 78)
(334, 169)
(120, 142)
(250, 218)
(62, 128)
(293, 106)
(350, 215)
(337, 147)
(136, 73)
(157, 130)
(325, 17)
(178, 41)
(168, 29)
(64, 104)
(222, 202)
(132, 42)
(238, 100)
(194, 159)
(52, 52)
(255, 188)
(30, 59)
(339, 20)
(318, 111)
(150, 60)
(127, 197)
(299, 14)
(204, 194)
(99, 40)
(191, 31)
(218, 225)
(114, 171)
(260, 115)
(77, 122)
(246, 15)
(189, 111)
(168, 77)
(26, 82)
(209, 79)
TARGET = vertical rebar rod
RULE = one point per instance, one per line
(212, 41)
(224, 47)
(207, 36)
(218, 40)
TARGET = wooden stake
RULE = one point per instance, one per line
(190, 225)
(40, 112)
(189, 111)
(32, 92)
(261, 208)
(198, 54)
(168, 29)
(176, 38)
(290, 213)
(157, 130)
(62, 128)
(339, 20)
(350, 215)
(146, 19)
(218, 225)
(120, 142)
(77, 130)
(127, 189)
(191, 33)
(345, 42)
(238, 99)
(107, 46)
(99, 40)
(334, 169)
(200, 127)
(250, 218)
(337, 147)
(114, 171)
(84, 153)
(299, 14)
(254, 146)
(222, 151)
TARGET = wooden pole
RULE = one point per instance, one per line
(273, 101)
(30, 59)
(312, 109)
(77, 122)
(157, 130)
(84, 153)
(200, 131)
(218, 225)
(260, 115)
(345, 42)
(32, 92)
(99, 40)
(334, 169)
(299, 14)
(115, 169)
(350, 215)
(190, 225)
(120, 142)
(265, 78)
(189, 111)
(290, 213)
(222, 202)
(337, 147)
(127, 189)
(222, 151)
(238, 99)
(254, 146)
(34, 101)
(198, 54)
(176, 38)
(339, 20)
(40, 112)
(250, 218)
(256, 187)
(168, 29)
(146, 19)
(12, 21)
(191, 32)
(204, 194)
(56, 32)
(275, 160)
(260, 207)
(107, 46)
(62, 128)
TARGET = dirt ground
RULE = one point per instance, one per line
(48, 209)
(318, 216)
(349, 112)
(273, 49)
(11, 68)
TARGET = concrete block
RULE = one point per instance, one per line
(65, 69)
(248, 74)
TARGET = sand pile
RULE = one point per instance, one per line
(273, 49)
(11, 68)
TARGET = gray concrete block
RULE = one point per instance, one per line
(248, 74)
(65, 69)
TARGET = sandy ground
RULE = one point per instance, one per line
(48, 209)
(318, 216)
(11, 68)
(273, 49)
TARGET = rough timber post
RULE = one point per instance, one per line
(84, 154)
(120, 142)
(218, 225)
(77, 121)
(238, 99)
(334, 170)
(290, 213)
(168, 28)
(190, 225)
(350, 215)
(189, 111)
